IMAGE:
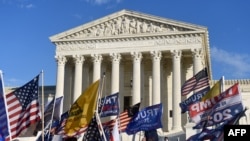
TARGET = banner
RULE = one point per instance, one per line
(109, 106)
(217, 109)
(148, 118)
(82, 110)
(196, 97)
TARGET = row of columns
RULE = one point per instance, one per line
(136, 93)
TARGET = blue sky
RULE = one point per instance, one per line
(26, 25)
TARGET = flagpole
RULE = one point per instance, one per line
(52, 115)
(100, 95)
(5, 103)
(119, 122)
(98, 100)
(223, 84)
(42, 114)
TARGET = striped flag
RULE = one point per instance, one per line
(115, 135)
(60, 129)
(93, 131)
(23, 107)
(124, 118)
(4, 126)
(198, 81)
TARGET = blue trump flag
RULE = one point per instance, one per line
(109, 106)
(4, 126)
(51, 114)
(196, 97)
(147, 119)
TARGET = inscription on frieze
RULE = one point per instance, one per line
(130, 44)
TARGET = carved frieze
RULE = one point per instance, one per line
(130, 44)
(124, 25)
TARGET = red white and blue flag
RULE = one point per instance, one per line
(23, 107)
(196, 97)
(109, 105)
(197, 82)
(217, 109)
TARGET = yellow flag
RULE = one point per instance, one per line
(214, 91)
(82, 110)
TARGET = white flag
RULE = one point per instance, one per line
(115, 132)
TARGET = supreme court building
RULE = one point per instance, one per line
(144, 57)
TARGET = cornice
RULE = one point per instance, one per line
(141, 37)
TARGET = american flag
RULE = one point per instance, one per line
(198, 81)
(93, 131)
(124, 118)
(23, 107)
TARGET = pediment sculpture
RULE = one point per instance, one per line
(125, 25)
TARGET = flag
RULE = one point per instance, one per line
(151, 135)
(217, 109)
(109, 105)
(23, 107)
(51, 114)
(107, 132)
(196, 97)
(4, 126)
(93, 132)
(214, 91)
(133, 110)
(196, 82)
(82, 110)
(60, 129)
(115, 135)
(123, 118)
(220, 135)
(146, 119)
(217, 133)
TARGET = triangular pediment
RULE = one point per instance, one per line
(126, 23)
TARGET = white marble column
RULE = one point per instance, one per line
(115, 72)
(150, 90)
(97, 59)
(136, 95)
(156, 90)
(78, 75)
(61, 61)
(197, 59)
(176, 83)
